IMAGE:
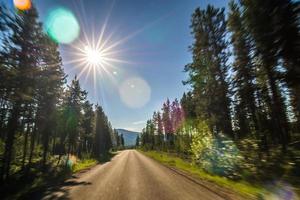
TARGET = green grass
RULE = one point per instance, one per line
(241, 187)
(84, 164)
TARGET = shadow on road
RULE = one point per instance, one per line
(107, 157)
(59, 191)
(54, 187)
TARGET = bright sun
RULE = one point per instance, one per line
(97, 55)
(93, 56)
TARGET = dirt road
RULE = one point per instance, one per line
(131, 176)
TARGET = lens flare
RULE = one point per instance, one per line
(22, 4)
(135, 92)
(280, 191)
(62, 26)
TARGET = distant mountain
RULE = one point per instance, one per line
(129, 136)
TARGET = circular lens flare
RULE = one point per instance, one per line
(22, 4)
(62, 26)
(135, 92)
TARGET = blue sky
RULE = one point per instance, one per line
(155, 35)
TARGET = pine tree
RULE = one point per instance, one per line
(103, 136)
(87, 126)
(244, 73)
(188, 106)
(160, 130)
(260, 23)
(116, 139)
(98, 149)
(23, 57)
(72, 107)
(137, 142)
(122, 141)
(208, 71)
(287, 27)
(50, 88)
(108, 136)
(176, 115)
(4, 71)
(167, 123)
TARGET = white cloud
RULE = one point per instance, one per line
(139, 122)
(132, 129)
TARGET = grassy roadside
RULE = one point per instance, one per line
(84, 164)
(241, 187)
(87, 163)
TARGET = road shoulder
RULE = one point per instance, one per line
(224, 192)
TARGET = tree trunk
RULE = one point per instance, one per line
(25, 146)
(32, 145)
(295, 101)
(45, 148)
(277, 111)
(68, 153)
(54, 143)
(12, 127)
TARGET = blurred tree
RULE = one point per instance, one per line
(260, 23)
(208, 71)
(122, 141)
(188, 106)
(158, 130)
(137, 142)
(49, 90)
(285, 14)
(87, 126)
(22, 58)
(72, 109)
(176, 115)
(167, 123)
(244, 79)
(99, 145)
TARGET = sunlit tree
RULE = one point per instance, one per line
(208, 71)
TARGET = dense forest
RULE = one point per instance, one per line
(241, 116)
(43, 121)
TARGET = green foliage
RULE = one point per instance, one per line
(202, 141)
(84, 164)
(183, 143)
(218, 156)
(103, 131)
